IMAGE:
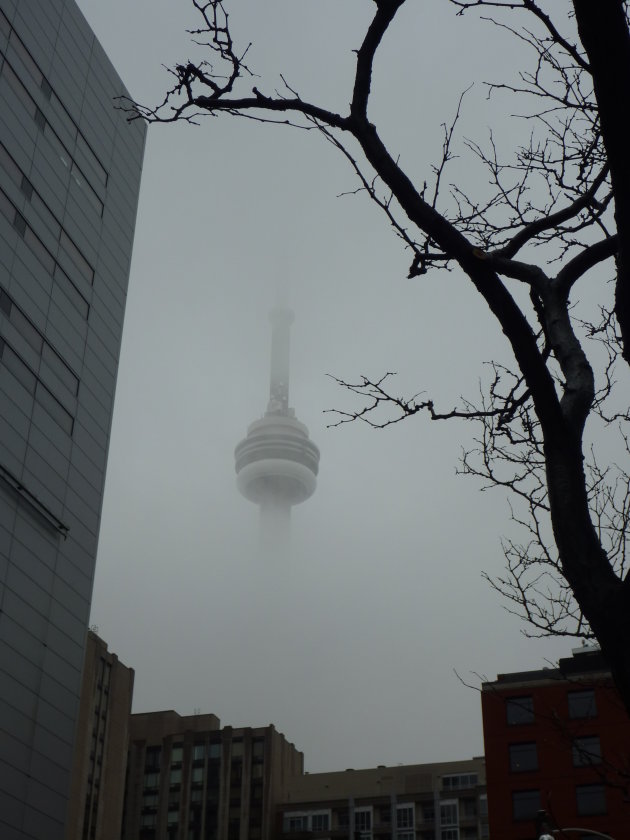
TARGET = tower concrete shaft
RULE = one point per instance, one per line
(276, 463)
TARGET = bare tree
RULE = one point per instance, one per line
(556, 210)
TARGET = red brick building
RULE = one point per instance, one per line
(557, 740)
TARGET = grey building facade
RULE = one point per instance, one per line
(69, 179)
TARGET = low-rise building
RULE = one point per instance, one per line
(444, 801)
(557, 740)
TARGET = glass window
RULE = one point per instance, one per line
(469, 807)
(449, 834)
(152, 757)
(405, 835)
(176, 775)
(449, 813)
(197, 774)
(5, 26)
(173, 817)
(83, 266)
(237, 749)
(26, 329)
(18, 368)
(297, 823)
(25, 58)
(177, 753)
(10, 166)
(525, 804)
(320, 822)
(404, 816)
(151, 780)
(54, 408)
(428, 811)
(40, 251)
(100, 171)
(520, 710)
(586, 751)
(18, 88)
(214, 750)
(363, 819)
(582, 704)
(591, 799)
(459, 781)
(199, 752)
(71, 292)
(5, 302)
(523, 757)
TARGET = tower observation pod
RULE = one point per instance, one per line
(277, 463)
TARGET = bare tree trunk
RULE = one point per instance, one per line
(603, 30)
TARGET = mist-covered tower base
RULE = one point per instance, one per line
(277, 463)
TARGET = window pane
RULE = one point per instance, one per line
(214, 750)
(319, 822)
(525, 804)
(26, 59)
(586, 751)
(404, 816)
(10, 166)
(523, 757)
(448, 813)
(591, 799)
(12, 362)
(582, 704)
(54, 408)
(520, 710)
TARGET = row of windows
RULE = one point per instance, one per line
(42, 82)
(585, 751)
(40, 345)
(364, 820)
(29, 380)
(43, 255)
(49, 132)
(460, 780)
(589, 799)
(581, 704)
(19, 178)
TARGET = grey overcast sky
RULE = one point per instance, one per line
(350, 648)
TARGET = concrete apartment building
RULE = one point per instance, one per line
(69, 178)
(100, 753)
(190, 779)
(444, 801)
(557, 740)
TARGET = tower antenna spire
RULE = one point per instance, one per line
(277, 463)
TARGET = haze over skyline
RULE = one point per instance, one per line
(350, 648)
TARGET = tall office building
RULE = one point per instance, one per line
(100, 750)
(69, 178)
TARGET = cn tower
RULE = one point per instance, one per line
(277, 463)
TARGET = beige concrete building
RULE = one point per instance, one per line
(445, 801)
(100, 754)
(189, 779)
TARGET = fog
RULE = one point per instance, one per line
(350, 645)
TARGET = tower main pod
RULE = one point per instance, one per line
(277, 463)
